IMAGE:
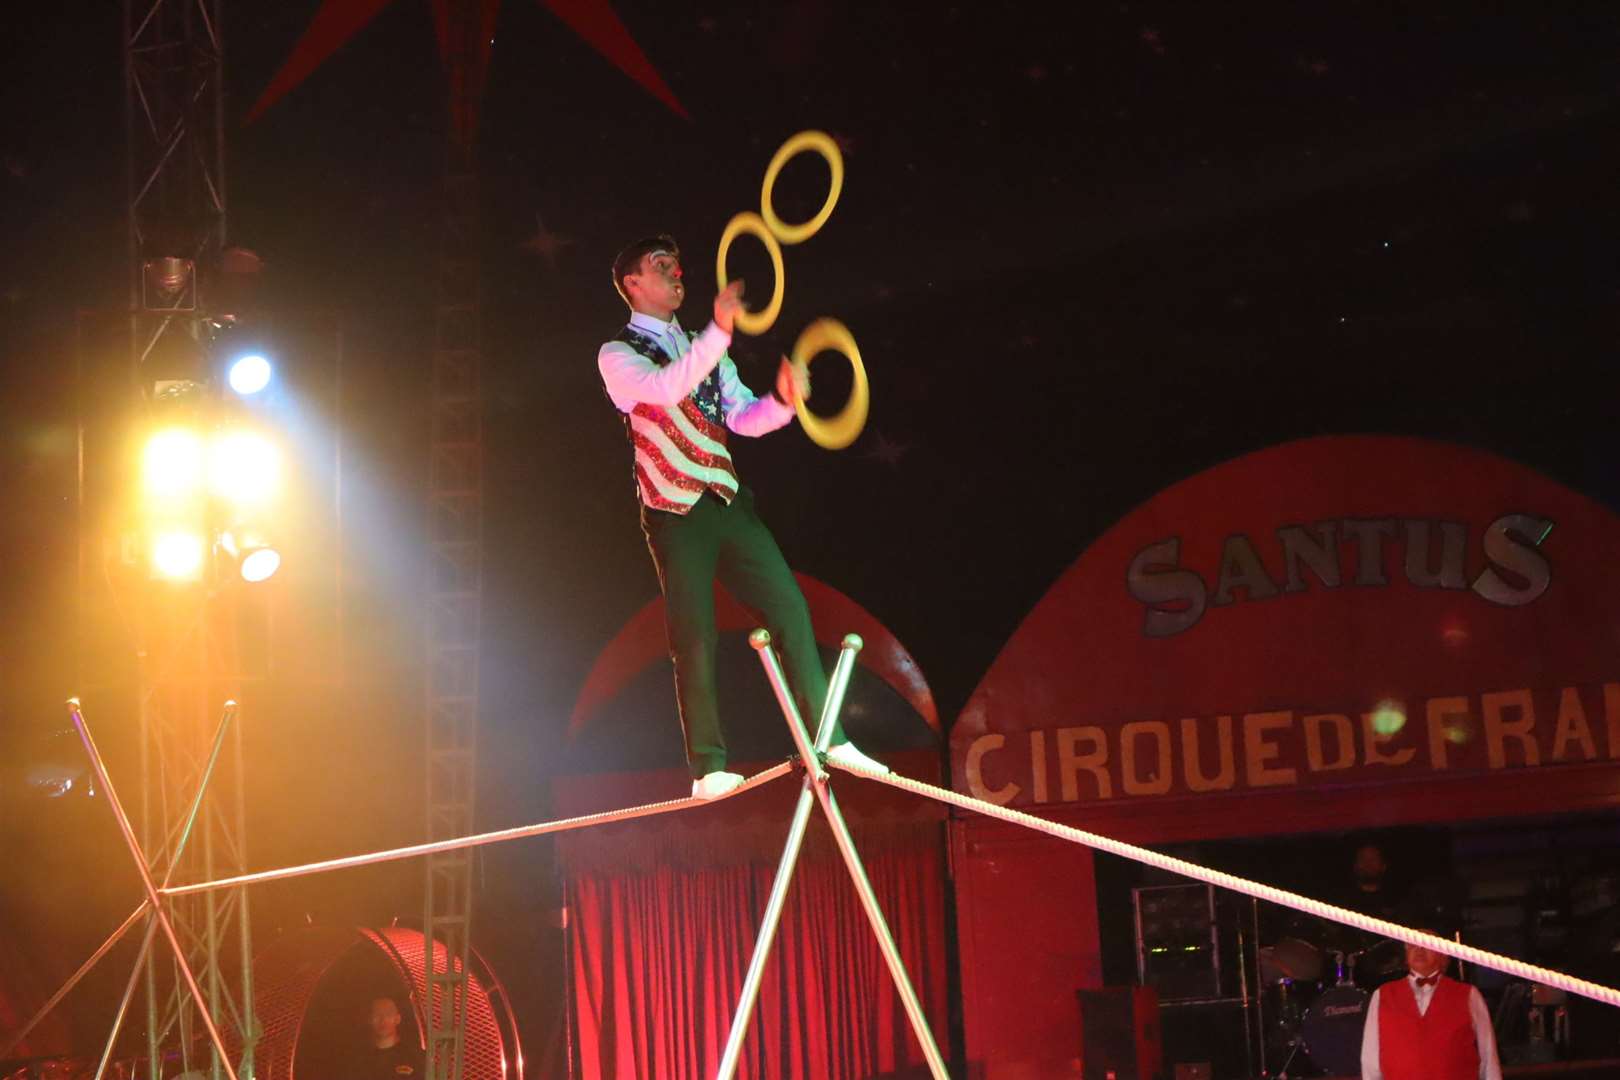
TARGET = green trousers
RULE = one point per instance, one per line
(728, 541)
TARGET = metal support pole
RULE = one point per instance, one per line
(1243, 994)
(784, 873)
(211, 904)
(153, 826)
(147, 884)
(1259, 998)
(129, 994)
(812, 757)
(134, 917)
(767, 932)
(174, 862)
(246, 1065)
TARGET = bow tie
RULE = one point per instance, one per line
(1429, 980)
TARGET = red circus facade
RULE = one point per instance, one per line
(1339, 632)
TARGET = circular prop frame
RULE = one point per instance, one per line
(834, 432)
(823, 144)
(753, 322)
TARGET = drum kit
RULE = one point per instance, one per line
(1314, 1001)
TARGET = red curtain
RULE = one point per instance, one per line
(662, 925)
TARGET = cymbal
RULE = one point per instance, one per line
(1290, 958)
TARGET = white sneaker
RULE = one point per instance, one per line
(848, 754)
(716, 784)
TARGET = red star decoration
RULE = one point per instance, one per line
(339, 20)
(888, 451)
(545, 243)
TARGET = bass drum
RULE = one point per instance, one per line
(1332, 1030)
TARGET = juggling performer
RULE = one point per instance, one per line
(679, 395)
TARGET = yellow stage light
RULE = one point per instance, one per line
(178, 556)
(172, 464)
(244, 468)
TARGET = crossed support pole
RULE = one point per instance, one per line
(816, 789)
(154, 905)
(812, 755)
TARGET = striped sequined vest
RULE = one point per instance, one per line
(680, 451)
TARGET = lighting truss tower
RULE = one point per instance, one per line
(455, 547)
(174, 128)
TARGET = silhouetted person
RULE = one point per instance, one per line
(389, 1057)
(1371, 890)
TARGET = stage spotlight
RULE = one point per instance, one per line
(168, 275)
(169, 284)
(255, 559)
(249, 374)
(259, 563)
(178, 556)
(172, 464)
(243, 468)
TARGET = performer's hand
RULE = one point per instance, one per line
(793, 382)
(727, 304)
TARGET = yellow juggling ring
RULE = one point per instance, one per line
(834, 432)
(752, 322)
(823, 144)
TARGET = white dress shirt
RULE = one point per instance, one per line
(1489, 1067)
(632, 379)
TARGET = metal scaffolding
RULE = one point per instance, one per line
(455, 551)
(174, 129)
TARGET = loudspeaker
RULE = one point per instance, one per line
(1119, 1034)
(1178, 944)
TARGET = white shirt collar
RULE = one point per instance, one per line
(655, 326)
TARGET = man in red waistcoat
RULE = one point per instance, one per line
(1428, 1027)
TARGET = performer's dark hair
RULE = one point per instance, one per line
(628, 261)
